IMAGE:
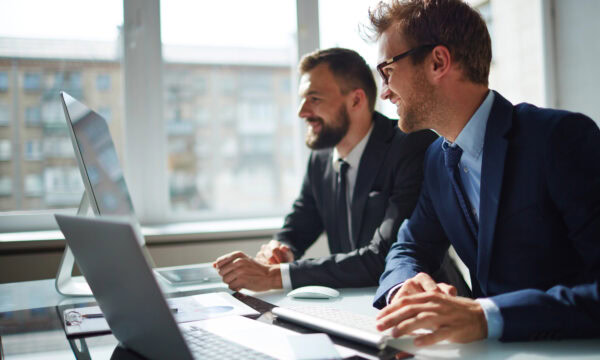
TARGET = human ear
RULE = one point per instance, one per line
(441, 61)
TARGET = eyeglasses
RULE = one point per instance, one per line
(380, 67)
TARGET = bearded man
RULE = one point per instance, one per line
(363, 179)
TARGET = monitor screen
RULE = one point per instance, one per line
(97, 159)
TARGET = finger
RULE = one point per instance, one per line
(448, 289)
(426, 282)
(404, 313)
(424, 320)
(239, 265)
(409, 288)
(225, 259)
(420, 298)
(440, 334)
(278, 256)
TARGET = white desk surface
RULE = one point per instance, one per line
(35, 294)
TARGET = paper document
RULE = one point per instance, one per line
(89, 320)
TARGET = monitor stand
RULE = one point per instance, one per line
(65, 283)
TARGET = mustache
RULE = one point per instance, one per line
(314, 119)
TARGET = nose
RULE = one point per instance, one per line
(304, 110)
(386, 93)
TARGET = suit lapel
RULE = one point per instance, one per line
(372, 158)
(492, 171)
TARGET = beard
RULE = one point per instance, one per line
(330, 134)
(416, 112)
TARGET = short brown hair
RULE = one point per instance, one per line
(451, 23)
(349, 69)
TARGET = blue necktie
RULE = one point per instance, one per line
(341, 204)
(452, 156)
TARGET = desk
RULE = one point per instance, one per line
(30, 328)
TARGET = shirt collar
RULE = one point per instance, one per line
(471, 137)
(353, 158)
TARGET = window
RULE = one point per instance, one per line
(5, 185)
(34, 185)
(4, 115)
(85, 64)
(3, 81)
(5, 150)
(32, 81)
(33, 150)
(103, 82)
(222, 98)
(348, 31)
(33, 115)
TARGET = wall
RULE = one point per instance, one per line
(577, 44)
(44, 264)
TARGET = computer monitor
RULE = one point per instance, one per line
(105, 187)
(97, 159)
(106, 193)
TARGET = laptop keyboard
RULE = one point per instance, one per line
(206, 345)
(346, 318)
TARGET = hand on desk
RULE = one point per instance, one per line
(424, 304)
(238, 270)
(274, 252)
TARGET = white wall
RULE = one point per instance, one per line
(577, 34)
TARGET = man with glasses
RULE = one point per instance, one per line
(514, 188)
(363, 178)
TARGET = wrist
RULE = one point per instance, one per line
(274, 276)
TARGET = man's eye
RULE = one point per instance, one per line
(387, 71)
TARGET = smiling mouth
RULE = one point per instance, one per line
(314, 126)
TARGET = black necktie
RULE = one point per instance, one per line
(452, 156)
(341, 204)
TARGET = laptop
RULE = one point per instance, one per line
(109, 256)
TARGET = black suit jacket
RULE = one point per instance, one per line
(387, 186)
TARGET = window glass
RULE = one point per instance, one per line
(3, 80)
(349, 31)
(229, 106)
(64, 45)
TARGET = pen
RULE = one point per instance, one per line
(100, 315)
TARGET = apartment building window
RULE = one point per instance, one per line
(33, 150)
(32, 81)
(33, 115)
(4, 114)
(5, 185)
(34, 185)
(103, 82)
(3, 81)
(5, 150)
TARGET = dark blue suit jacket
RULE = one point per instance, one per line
(537, 255)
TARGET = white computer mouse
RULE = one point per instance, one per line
(314, 292)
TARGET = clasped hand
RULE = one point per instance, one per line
(239, 271)
(421, 303)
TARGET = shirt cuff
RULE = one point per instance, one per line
(495, 322)
(391, 292)
(286, 280)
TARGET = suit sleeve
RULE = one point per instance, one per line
(303, 225)
(420, 247)
(363, 266)
(572, 166)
